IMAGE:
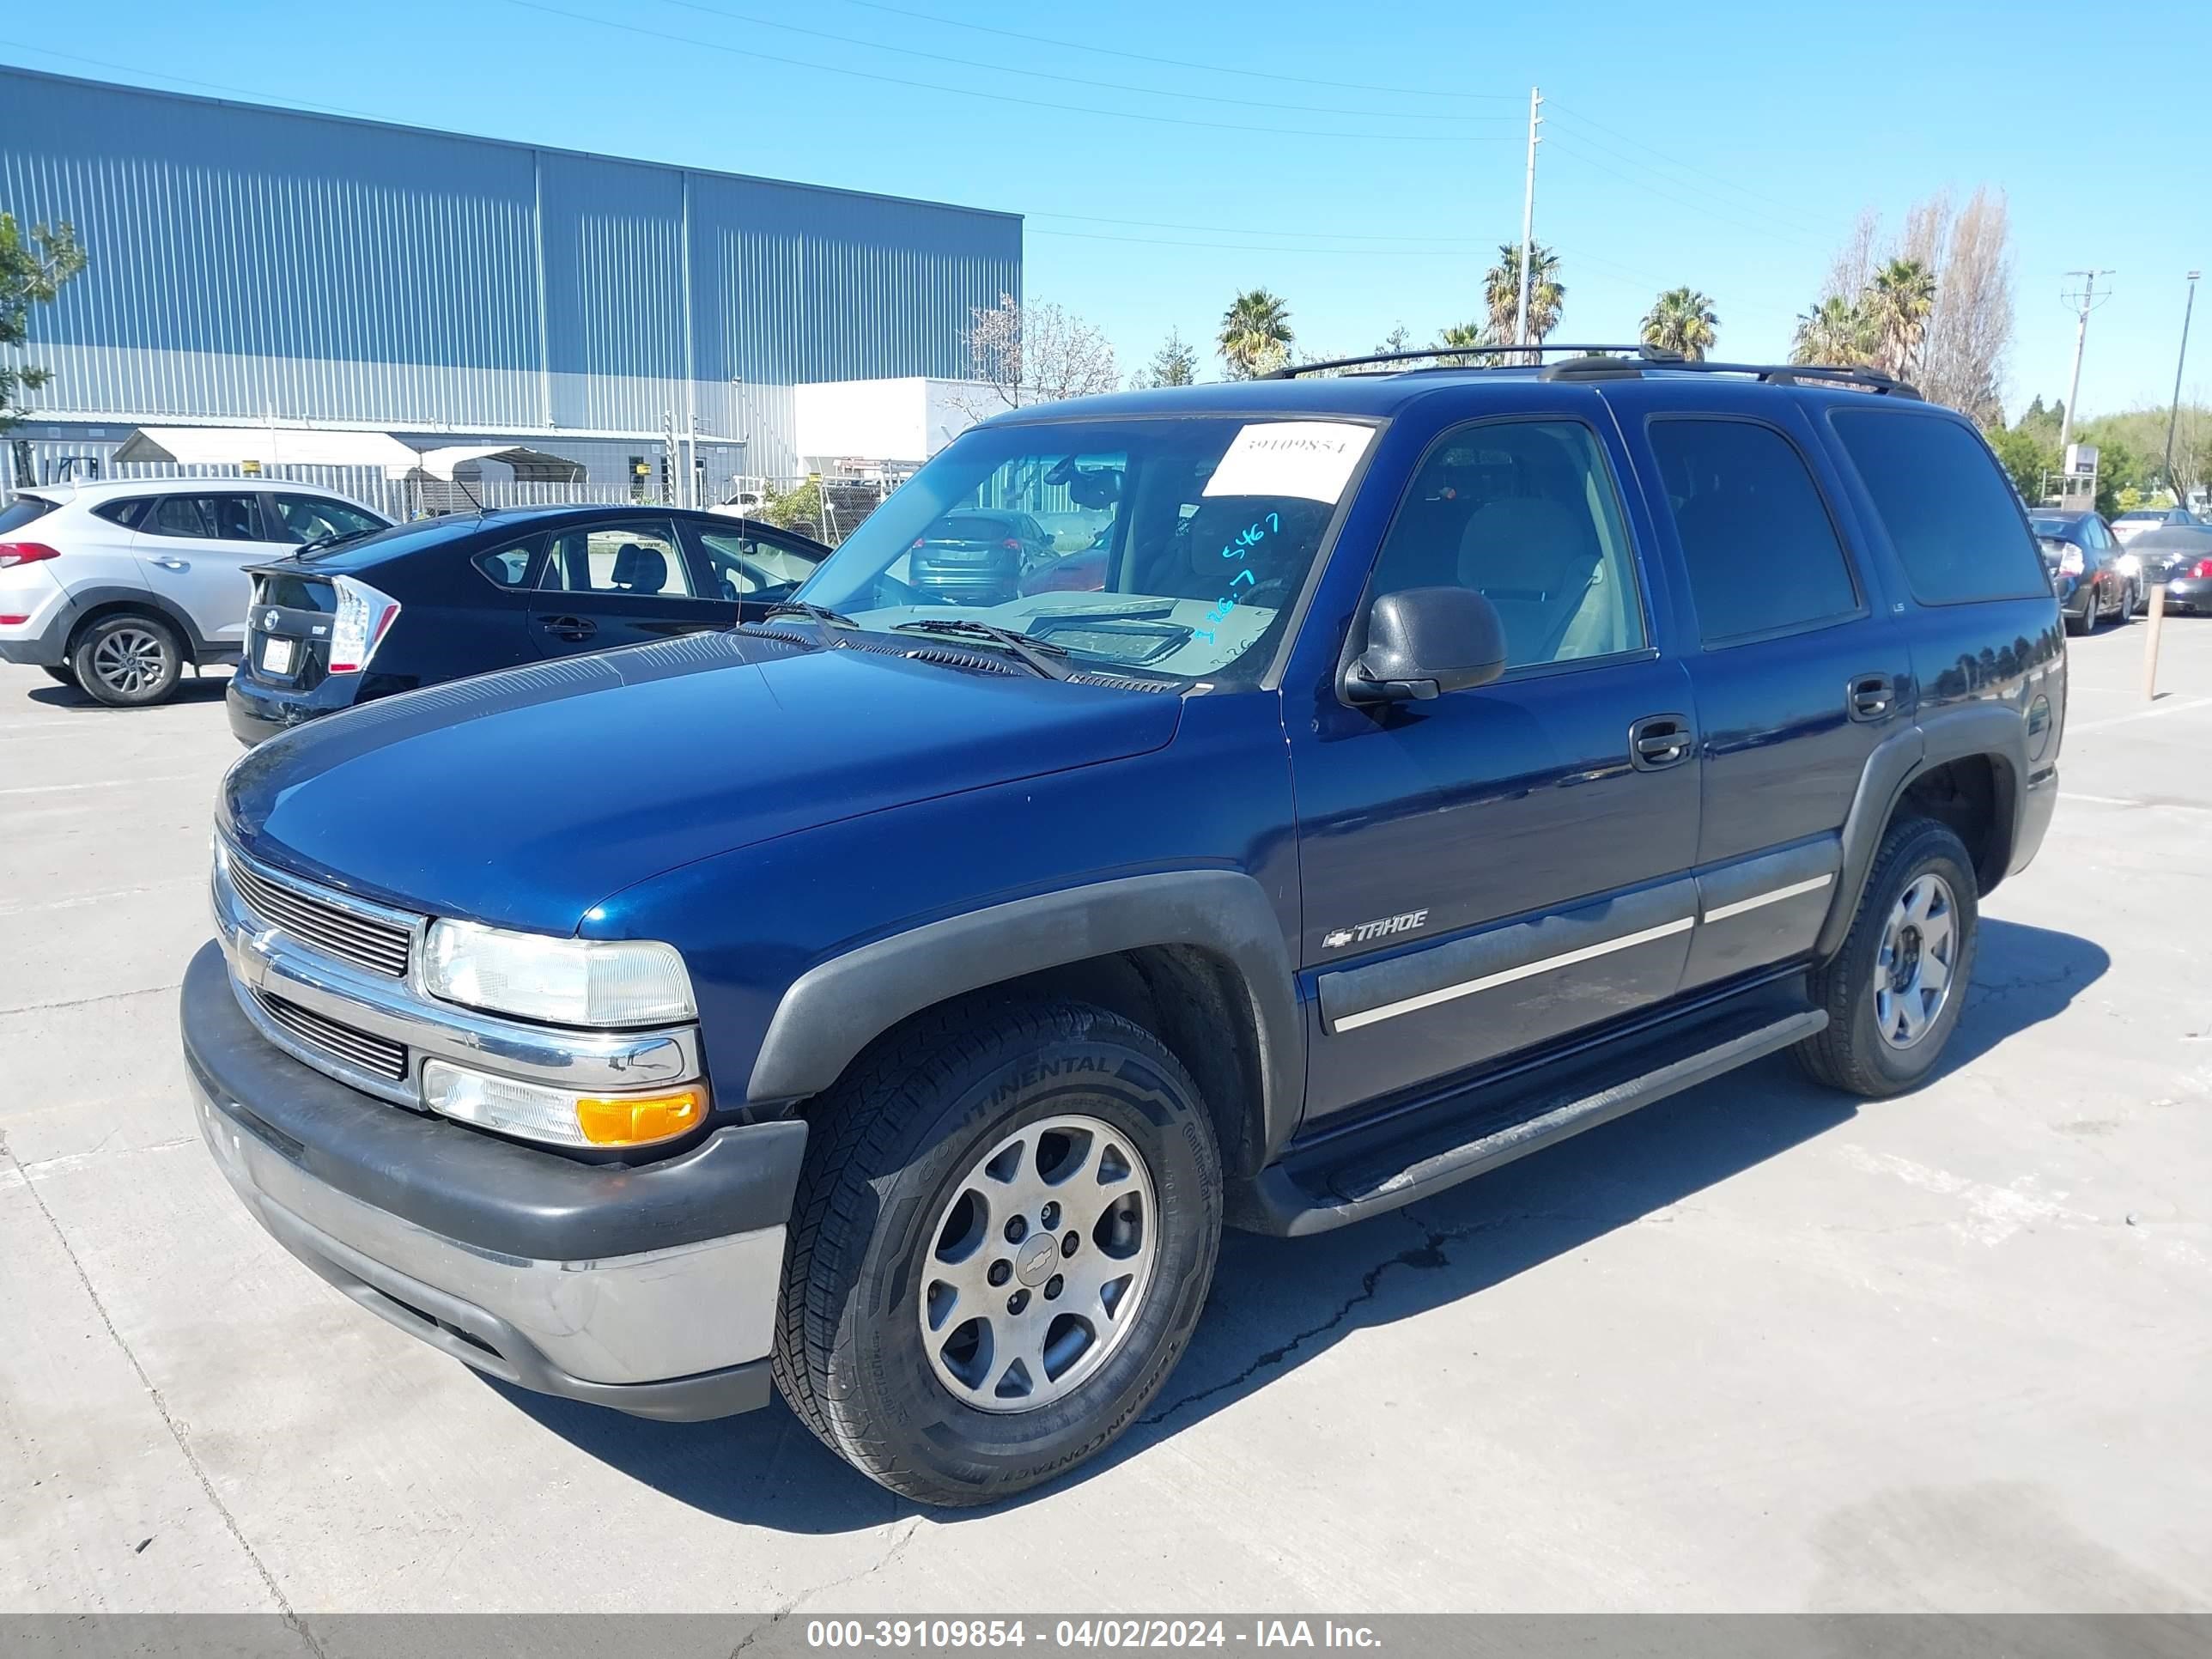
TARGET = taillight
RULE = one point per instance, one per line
(2204, 567)
(364, 618)
(15, 553)
(2070, 561)
(1011, 545)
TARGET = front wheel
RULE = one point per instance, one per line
(1894, 992)
(1003, 1235)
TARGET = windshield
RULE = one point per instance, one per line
(1175, 547)
(2051, 530)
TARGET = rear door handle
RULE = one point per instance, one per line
(1872, 696)
(172, 564)
(569, 628)
(1660, 740)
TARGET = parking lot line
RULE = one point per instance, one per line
(104, 783)
(2139, 714)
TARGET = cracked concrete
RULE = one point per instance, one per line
(1755, 1347)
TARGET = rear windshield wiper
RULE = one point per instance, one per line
(324, 544)
(1039, 654)
(821, 613)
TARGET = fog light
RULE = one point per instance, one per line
(557, 1117)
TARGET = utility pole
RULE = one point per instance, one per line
(2173, 409)
(2087, 300)
(1527, 224)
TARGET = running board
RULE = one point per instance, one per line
(1444, 1147)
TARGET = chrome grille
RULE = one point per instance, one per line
(366, 942)
(379, 1055)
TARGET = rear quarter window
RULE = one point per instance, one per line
(1945, 507)
(124, 513)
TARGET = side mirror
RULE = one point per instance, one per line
(1425, 641)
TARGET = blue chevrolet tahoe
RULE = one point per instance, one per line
(890, 1001)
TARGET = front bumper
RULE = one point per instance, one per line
(652, 1289)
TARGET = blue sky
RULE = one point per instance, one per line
(1363, 162)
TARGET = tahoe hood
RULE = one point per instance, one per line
(524, 797)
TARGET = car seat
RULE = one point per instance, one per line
(640, 569)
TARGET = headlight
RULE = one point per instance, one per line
(556, 1116)
(364, 618)
(562, 982)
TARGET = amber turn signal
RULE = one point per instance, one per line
(636, 1120)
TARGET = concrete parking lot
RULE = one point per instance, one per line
(1757, 1347)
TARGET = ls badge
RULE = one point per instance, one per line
(1367, 932)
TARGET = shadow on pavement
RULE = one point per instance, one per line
(192, 688)
(1279, 1302)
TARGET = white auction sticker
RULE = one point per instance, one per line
(1310, 458)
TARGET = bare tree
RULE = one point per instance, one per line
(1970, 330)
(1926, 222)
(1032, 353)
(1853, 266)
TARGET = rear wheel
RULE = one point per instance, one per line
(2087, 622)
(1894, 992)
(128, 661)
(1003, 1236)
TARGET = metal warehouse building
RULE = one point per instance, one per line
(263, 270)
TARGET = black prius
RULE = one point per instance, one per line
(348, 620)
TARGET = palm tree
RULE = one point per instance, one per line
(1897, 301)
(1682, 320)
(1256, 334)
(1835, 333)
(1461, 334)
(1501, 286)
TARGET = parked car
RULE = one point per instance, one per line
(118, 587)
(2135, 521)
(896, 999)
(2093, 575)
(2179, 555)
(349, 622)
(977, 557)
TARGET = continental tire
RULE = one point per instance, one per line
(1003, 1236)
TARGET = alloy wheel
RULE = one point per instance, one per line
(129, 661)
(1039, 1265)
(1913, 971)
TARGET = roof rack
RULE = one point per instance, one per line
(1292, 370)
(1614, 362)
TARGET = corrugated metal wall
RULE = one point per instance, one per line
(249, 263)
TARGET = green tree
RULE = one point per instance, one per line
(1174, 364)
(1897, 302)
(1834, 333)
(1396, 340)
(1461, 334)
(1501, 291)
(798, 507)
(1256, 334)
(2027, 455)
(1682, 320)
(32, 271)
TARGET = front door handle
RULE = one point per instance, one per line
(572, 628)
(1660, 740)
(1872, 696)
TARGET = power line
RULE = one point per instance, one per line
(1180, 62)
(1071, 80)
(1769, 201)
(281, 98)
(1726, 203)
(1240, 230)
(1682, 201)
(999, 98)
(1254, 249)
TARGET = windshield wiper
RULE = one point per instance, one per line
(1038, 653)
(326, 543)
(821, 613)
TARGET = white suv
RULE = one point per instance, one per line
(115, 586)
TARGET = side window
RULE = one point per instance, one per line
(641, 559)
(205, 518)
(310, 518)
(124, 513)
(1762, 551)
(1946, 505)
(1524, 513)
(509, 567)
(746, 566)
